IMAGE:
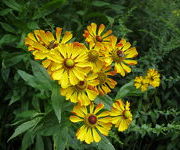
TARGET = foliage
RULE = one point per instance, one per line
(30, 116)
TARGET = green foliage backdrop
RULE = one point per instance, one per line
(29, 100)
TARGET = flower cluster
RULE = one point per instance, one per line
(85, 70)
(152, 78)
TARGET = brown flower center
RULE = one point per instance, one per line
(118, 56)
(99, 38)
(102, 77)
(127, 114)
(69, 63)
(93, 56)
(52, 45)
(81, 85)
(92, 119)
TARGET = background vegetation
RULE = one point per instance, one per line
(28, 96)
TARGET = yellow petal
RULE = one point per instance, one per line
(78, 73)
(119, 69)
(94, 28)
(58, 34)
(75, 119)
(96, 136)
(126, 68)
(57, 75)
(107, 33)
(67, 36)
(81, 133)
(72, 78)
(91, 94)
(130, 62)
(101, 29)
(64, 80)
(78, 111)
(126, 46)
(88, 136)
(123, 125)
(50, 36)
(98, 108)
(46, 63)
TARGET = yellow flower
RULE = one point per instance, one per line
(154, 77)
(95, 123)
(70, 64)
(105, 83)
(120, 53)
(141, 83)
(41, 42)
(97, 36)
(121, 115)
(84, 92)
(95, 57)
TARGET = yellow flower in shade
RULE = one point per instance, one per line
(70, 64)
(41, 42)
(84, 92)
(95, 123)
(95, 35)
(95, 57)
(154, 77)
(141, 83)
(121, 115)
(105, 83)
(121, 54)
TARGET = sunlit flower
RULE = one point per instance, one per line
(121, 53)
(70, 64)
(84, 92)
(105, 83)
(121, 115)
(96, 35)
(94, 123)
(41, 42)
(154, 77)
(141, 83)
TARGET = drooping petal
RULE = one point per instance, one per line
(96, 136)
(75, 119)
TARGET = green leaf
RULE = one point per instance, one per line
(7, 27)
(39, 143)
(41, 75)
(60, 139)
(128, 90)
(105, 144)
(31, 80)
(106, 100)
(27, 140)
(24, 127)
(7, 38)
(48, 8)
(57, 101)
(100, 3)
(13, 4)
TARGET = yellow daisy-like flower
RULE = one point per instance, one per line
(105, 83)
(70, 64)
(84, 92)
(41, 42)
(95, 123)
(97, 36)
(141, 83)
(154, 77)
(95, 57)
(121, 115)
(121, 53)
